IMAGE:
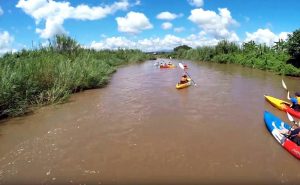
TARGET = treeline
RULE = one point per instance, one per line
(50, 74)
(282, 58)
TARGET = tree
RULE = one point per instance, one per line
(182, 47)
(280, 45)
(249, 46)
(293, 44)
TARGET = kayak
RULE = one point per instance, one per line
(275, 126)
(282, 105)
(168, 66)
(181, 86)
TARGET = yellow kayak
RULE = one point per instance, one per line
(283, 105)
(181, 86)
(279, 104)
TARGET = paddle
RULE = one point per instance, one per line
(292, 120)
(284, 86)
(182, 67)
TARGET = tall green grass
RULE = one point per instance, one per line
(48, 75)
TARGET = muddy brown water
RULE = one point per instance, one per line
(141, 130)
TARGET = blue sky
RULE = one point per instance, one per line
(145, 24)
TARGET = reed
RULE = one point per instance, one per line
(48, 75)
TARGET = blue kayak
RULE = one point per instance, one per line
(275, 126)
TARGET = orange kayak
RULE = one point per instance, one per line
(168, 66)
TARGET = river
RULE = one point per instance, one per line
(141, 130)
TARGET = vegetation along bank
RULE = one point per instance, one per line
(283, 57)
(47, 75)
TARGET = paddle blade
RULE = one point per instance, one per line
(283, 84)
(290, 117)
(288, 95)
(181, 66)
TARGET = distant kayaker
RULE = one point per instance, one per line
(295, 101)
(183, 79)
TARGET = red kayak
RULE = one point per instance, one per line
(276, 126)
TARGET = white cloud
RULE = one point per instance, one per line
(167, 16)
(218, 25)
(55, 13)
(113, 43)
(1, 11)
(5, 42)
(166, 25)
(153, 44)
(53, 26)
(197, 3)
(265, 36)
(179, 29)
(283, 35)
(133, 23)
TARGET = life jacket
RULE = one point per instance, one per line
(297, 100)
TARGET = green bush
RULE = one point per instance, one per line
(249, 54)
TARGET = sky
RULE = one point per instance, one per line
(148, 25)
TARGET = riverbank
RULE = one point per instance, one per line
(48, 75)
(275, 59)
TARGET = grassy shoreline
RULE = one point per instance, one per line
(48, 75)
(274, 59)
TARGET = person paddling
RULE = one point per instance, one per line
(183, 79)
(294, 135)
(294, 132)
(295, 101)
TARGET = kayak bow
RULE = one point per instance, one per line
(282, 105)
